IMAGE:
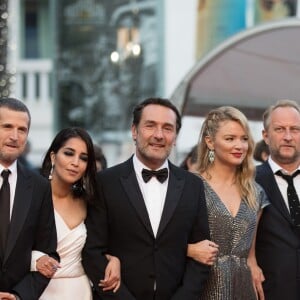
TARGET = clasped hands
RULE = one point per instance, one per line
(47, 266)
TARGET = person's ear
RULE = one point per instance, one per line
(175, 140)
(52, 157)
(209, 142)
(265, 136)
(133, 132)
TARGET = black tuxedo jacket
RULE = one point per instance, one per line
(278, 244)
(32, 227)
(120, 225)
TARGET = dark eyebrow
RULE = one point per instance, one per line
(23, 128)
(69, 148)
(73, 150)
(150, 121)
(169, 124)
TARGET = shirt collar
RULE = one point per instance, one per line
(275, 167)
(12, 167)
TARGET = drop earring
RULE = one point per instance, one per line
(51, 171)
(211, 156)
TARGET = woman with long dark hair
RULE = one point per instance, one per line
(70, 166)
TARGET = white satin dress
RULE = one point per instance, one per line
(70, 281)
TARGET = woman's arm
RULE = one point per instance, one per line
(256, 271)
(112, 279)
(44, 264)
(204, 252)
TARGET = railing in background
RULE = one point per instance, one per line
(33, 80)
(33, 86)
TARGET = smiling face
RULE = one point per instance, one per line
(283, 136)
(230, 144)
(14, 126)
(155, 135)
(70, 161)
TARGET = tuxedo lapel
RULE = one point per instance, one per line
(270, 186)
(175, 188)
(132, 189)
(21, 206)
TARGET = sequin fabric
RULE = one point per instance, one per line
(230, 277)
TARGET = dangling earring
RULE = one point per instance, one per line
(51, 171)
(211, 155)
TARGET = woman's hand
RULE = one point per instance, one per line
(257, 278)
(256, 272)
(7, 296)
(47, 265)
(112, 278)
(204, 252)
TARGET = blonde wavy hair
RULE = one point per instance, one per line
(245, 172)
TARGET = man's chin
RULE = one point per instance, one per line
(10, 158)
(155, 159)
(159, 157)
(287, 158)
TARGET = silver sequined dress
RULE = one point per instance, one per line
(230, 277)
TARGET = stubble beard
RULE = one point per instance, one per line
(151, 157)
(284, 158)
(8, 159)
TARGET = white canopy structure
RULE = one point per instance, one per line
(250, 71)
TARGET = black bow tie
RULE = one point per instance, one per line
(161, 174)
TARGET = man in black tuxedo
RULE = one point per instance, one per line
(148, 221)
(26, 213)
(278, 236)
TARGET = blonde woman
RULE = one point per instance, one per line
(234, 203)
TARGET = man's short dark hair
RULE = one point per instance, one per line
(16, 105)
(137, 112)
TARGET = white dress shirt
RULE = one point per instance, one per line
(12, 179)
(282, 183)
(153, 191)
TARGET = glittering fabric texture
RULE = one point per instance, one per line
(230, 277)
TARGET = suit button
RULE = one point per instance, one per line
(152, 276)
(155, 248)
(3, 270)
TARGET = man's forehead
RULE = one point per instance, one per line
(158, 111)
(12, 116)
